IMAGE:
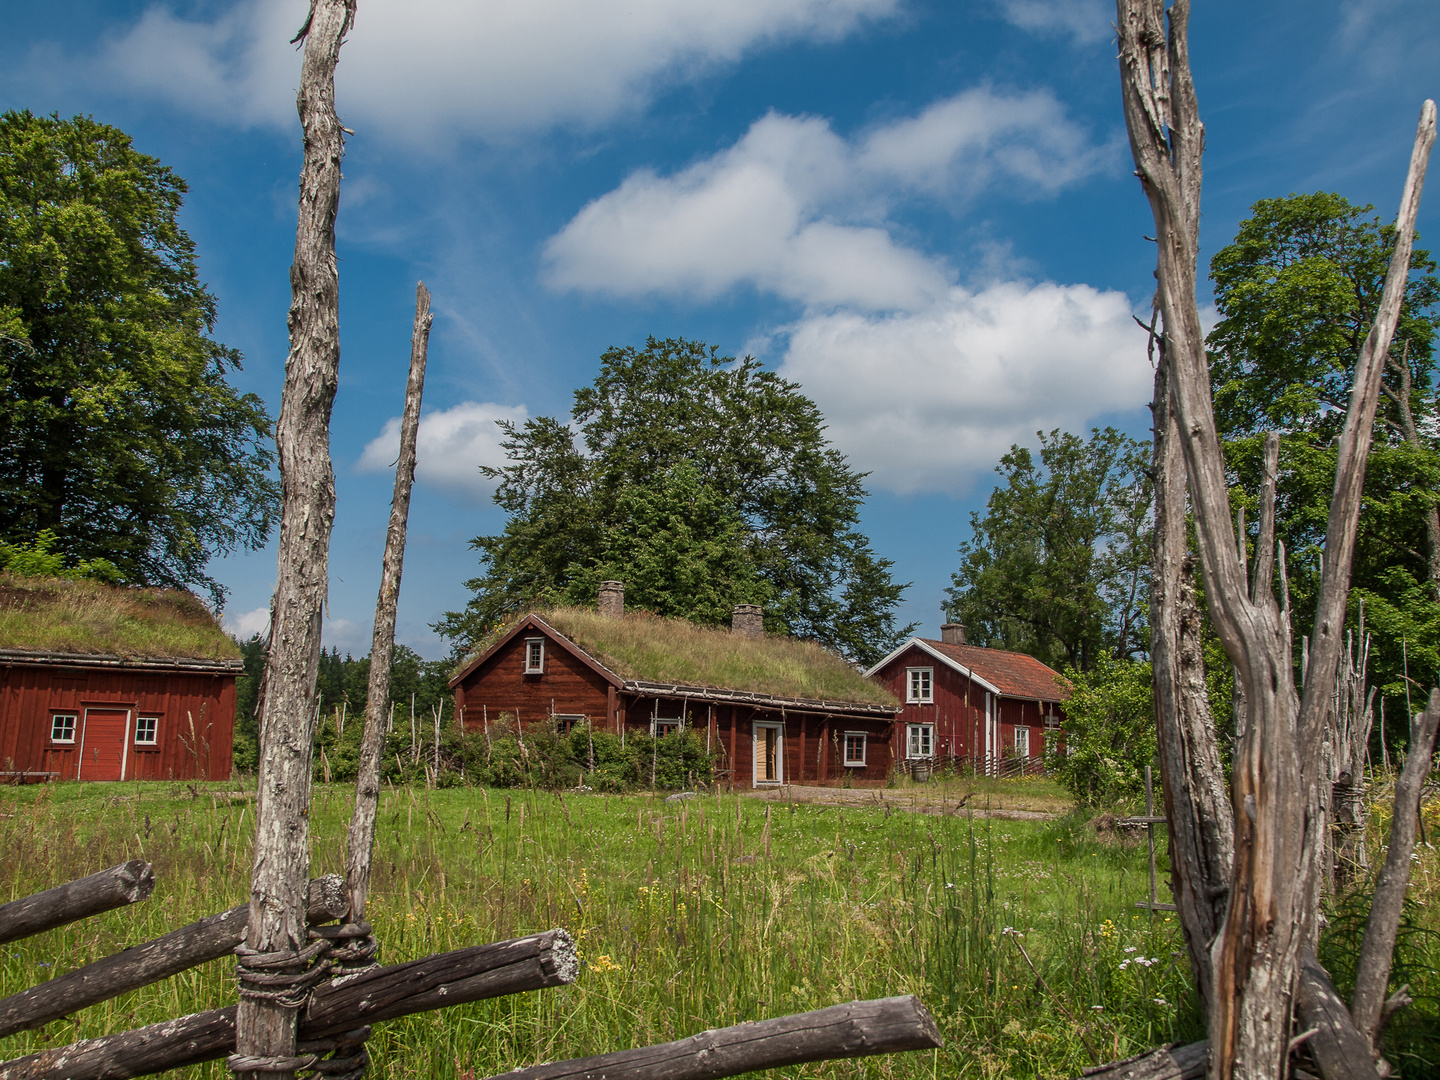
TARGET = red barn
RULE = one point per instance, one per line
(775, 710)
(92, 706)
(988, 709)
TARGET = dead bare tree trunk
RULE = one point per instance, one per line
(1280, 815)
(1197, 805)
(382, 644)
(1372, 977)
(276, 941)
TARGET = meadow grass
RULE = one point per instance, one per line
(694, 914)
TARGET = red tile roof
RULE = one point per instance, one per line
(1016, 674)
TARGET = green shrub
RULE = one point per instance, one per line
(1109, 733)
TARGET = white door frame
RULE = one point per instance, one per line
(756, 727)
(85, 711)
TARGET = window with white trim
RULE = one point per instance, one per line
(919, 685)
(855, 749)
(1022, 742)
(147, 730)
(62, 728)
(919, 740)
(568, 722)
(535, 656)
(665, 726)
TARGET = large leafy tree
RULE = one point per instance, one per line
(121, 435)
(1057, 565)
(701, 482)
(1297, 292)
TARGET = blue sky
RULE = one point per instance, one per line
(921, 211)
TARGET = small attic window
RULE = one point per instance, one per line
(534, 656)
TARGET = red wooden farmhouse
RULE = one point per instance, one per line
(777, 711)
(92, 706)
(989, 709)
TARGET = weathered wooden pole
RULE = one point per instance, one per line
(116, 887)
(382, 643)
(276, 939)
(482, 971)
(203, 940)
(856, 1029)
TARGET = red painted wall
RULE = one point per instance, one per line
(31, 696)
(958, 711)
(500, 685)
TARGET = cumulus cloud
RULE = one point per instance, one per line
(1087, 21)
(246, 624)
(798, 211)
(483, 67)
(450, 447)
(930, 400)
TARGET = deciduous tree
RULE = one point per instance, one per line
(703, 482)
(121, 433)
(1057, 564)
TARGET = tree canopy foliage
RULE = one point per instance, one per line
(700, 482)
(1297, 292)
(1057, 566)
(121, 435)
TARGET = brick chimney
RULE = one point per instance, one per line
(952, 633)
(748, 620)
(612, 599)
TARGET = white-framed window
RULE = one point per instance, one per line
(1052, 721)
(62, 727)
(855, 749)
(919, 740)
(567, 722)
(919, 685)
(665, 726)
(1022, 742)
(147, 730)
(534, 656)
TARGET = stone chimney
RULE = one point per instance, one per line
(952, 633)
(748, 620)
(612, 599)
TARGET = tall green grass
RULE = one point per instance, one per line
(700, 913)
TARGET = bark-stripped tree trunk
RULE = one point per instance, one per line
(382, 644)
(1197, 806)
(1372, 976)
(1280, 813)
(266, 1025)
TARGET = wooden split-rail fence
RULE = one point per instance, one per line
(336, 1019)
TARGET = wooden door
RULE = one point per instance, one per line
(103, 745)
(769, 754)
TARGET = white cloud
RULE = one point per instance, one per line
(450, 447)
(796, 210)
(1087, 21)
(247, 624)
(485, 67)
(930, 400)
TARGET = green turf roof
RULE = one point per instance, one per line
(52, 615)
(648, 648)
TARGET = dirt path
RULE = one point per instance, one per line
(914, 800)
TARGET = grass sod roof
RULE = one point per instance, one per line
(649, 648)
(53, 615)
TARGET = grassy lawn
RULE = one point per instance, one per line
(694, 914)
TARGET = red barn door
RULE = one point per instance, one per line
(103, 746)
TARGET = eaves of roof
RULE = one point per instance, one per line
(747, 697)
(29, 658)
